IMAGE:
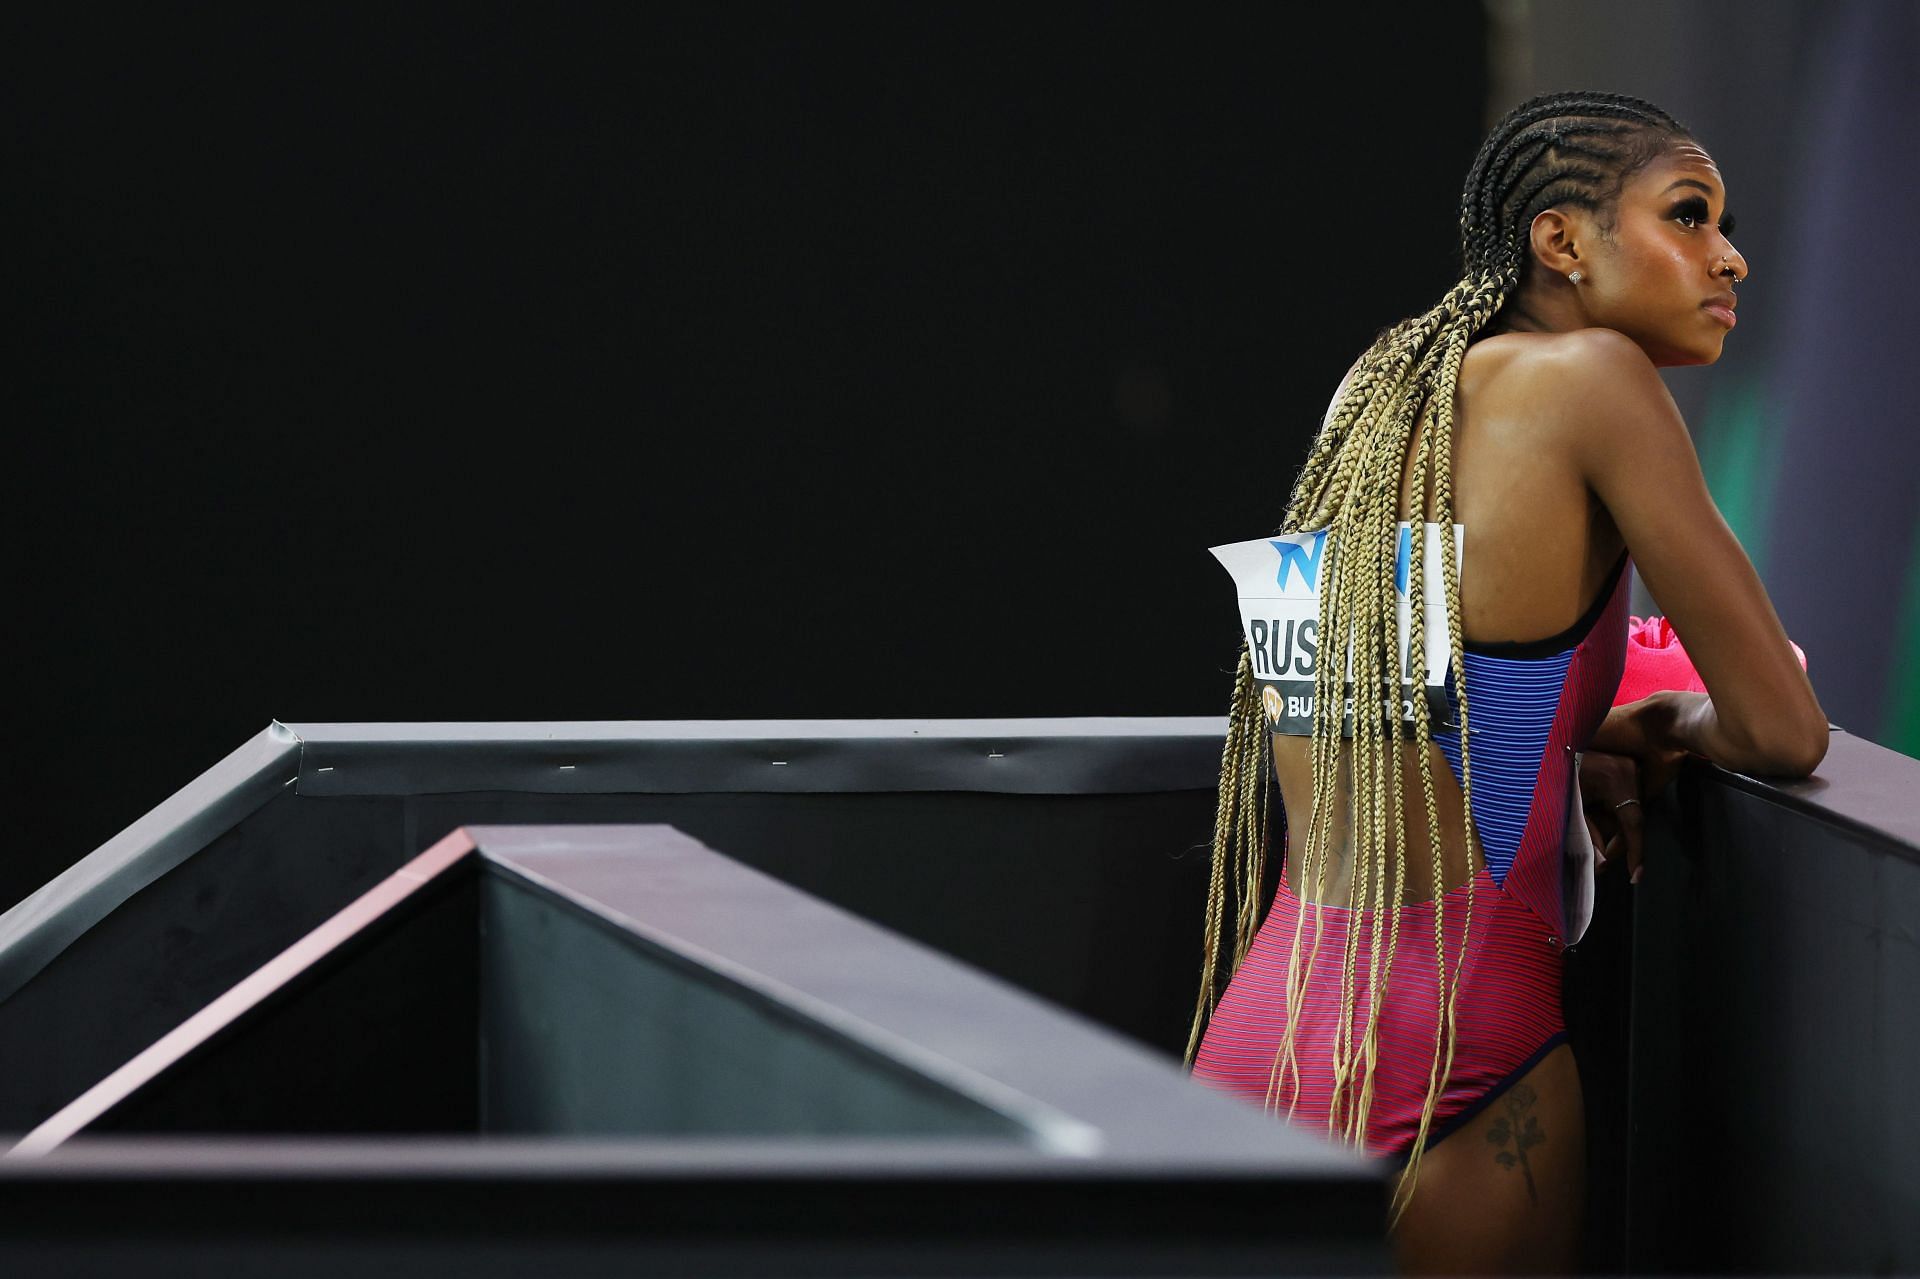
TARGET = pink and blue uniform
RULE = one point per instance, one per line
(1532, 707)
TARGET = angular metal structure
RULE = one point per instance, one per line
(1068, 856)
(726, 1073)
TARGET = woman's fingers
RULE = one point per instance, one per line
(1631, 828)
(1609, 793)
(1594, 837)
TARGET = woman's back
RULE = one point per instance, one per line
(1540, 551)
(1542, 655)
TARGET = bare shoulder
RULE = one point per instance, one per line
(1603, 367)
(1583, 389)
(1569, 366)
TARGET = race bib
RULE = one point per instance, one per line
(1278, 579)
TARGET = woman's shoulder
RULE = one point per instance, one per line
(1565, 377)
(1577, 355)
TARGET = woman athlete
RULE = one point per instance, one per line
(1403, 993)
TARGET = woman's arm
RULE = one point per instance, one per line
(1759, 714)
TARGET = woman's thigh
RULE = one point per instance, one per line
(1505, 1193)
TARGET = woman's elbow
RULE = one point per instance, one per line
(1800, 755)
(1815, 749)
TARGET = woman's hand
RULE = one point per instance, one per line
(1610, 795)
(1631, 759)
(1650, 726)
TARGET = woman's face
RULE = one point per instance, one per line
(1665, 276)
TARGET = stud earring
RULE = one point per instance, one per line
(1574, 278)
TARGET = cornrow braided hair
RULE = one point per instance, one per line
(1566, 149)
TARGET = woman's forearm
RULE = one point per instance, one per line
(1688, 721)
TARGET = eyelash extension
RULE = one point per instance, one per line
(1696, 208)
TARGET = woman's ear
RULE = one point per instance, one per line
(1556, 238)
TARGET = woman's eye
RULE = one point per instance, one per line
(1694, 212)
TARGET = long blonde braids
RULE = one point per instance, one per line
(1562, 149)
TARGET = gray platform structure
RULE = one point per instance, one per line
(672, 998)
(864, 997)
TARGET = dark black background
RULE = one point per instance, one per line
(673, 361)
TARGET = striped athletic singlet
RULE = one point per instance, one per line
(1533, 706)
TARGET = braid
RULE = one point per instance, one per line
(1568, 149)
